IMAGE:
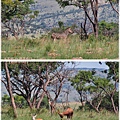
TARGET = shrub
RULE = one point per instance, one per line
(44, 102)
(108, 29)
(107, 104)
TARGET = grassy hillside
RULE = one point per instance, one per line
(45, 48)
(25, 114)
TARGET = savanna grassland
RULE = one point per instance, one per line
(25, 114)
(73, 48)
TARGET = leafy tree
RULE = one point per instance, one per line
(15, 13)
(111, 87)
(113, 76)
(28, 79)
(95, 90)
(79, 82)
(88, 5)
(85, 4)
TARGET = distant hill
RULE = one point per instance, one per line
(50, 13)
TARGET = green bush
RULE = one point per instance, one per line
(44, 102)
(108, 29)
(107, 104)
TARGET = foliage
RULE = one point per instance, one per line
(103, 91)
(44, 102)
(6, 99)
(63, 3)
(19, 101)
(59, 29)
(61, 24)
(108, 29)
(15, 13)
(11, 9)
(113, 70)
(106, 103)
(81, 79)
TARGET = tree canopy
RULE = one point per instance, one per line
(14, 13)
(94, 90)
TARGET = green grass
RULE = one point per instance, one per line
(72, 48)
(25, 114)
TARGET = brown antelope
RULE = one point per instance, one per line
(68, 112)
(33, 118)
(62, 35)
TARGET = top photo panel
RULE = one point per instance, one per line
(60, 29)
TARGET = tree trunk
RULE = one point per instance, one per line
(113, 104)
(29, 103)
(94, 6)
(40, 100)
(10, 90)
(34, 103)
(16, 36)
(52, 107)
(95, 28)
(96, 108)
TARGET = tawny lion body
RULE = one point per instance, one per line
(62, 35)
(68, 113)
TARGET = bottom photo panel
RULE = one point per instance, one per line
(63, 90)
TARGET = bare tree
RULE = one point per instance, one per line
(56, 85)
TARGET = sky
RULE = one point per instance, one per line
(90, 65)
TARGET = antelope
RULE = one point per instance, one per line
(62, 35)
(68, 113)
(33, 118)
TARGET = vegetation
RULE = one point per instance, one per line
(104, 47)
(25, 114)
(15, 14)
(103, 90)
(108, 29)
(30, 80)
(101, 44)
(88, 5)
(27, 85)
